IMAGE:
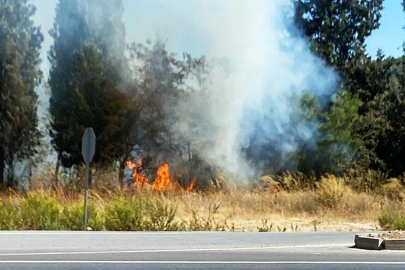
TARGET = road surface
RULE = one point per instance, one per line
(189, 250)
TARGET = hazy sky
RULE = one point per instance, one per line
(143, 18)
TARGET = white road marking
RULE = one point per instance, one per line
(201, 262)
(170, 250)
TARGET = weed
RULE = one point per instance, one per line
(315, 223)
(294, 228)
(281, 229)
(297, 181)
(330, 191)
(160, 215)
(198, 223)
(265, 227)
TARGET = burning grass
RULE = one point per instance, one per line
(291, 202)
(328, 205)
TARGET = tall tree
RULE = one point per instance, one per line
(336, 28)
(160, 88)
(88, 69)
(20, 45)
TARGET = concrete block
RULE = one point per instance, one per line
(366, 242)
(395, 244)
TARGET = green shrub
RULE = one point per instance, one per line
(399, 223)
(39, 212)
(10, 216)
(391, 219)
(72, 217)
(125, 214)
(143, 212)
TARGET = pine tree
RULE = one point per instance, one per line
(88, 69)
(20, 45)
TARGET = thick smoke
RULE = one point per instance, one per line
(246, 121)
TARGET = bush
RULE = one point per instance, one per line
(330, 191)
(160, 215)
(10, 216)
(124, 214)
(393, 189)
(72, 217)
(297, 181)
(39, 212)
(391, 219)
(143, 212)
(368, 181)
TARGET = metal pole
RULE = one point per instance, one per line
(86, 194)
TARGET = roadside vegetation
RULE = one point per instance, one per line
(283, 204)
(346, 148)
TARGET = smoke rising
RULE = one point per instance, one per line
(247, 120)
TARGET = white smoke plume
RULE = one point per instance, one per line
(263, 67)
(252, 94)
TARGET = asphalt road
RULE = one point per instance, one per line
(189, 250)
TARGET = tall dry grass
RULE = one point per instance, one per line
(289, 203)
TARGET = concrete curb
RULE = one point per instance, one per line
(394, 244)
(365, 242)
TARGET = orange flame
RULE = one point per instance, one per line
(139, 179)
(162, 181)
(191, 186)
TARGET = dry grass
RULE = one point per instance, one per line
(251, 210)
(327, 205)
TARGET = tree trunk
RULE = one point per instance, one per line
(2, 167)
(121, 175)
(56, 175)
(10, 175)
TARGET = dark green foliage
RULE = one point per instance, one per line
(158, 93)
(339, 143)
(20, 45)
(364, 127)
(337, 28)
(380, 85)
(86, 77)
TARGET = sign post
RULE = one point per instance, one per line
(88, 150)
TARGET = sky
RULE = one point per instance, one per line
(390, 36)
(142, 22)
